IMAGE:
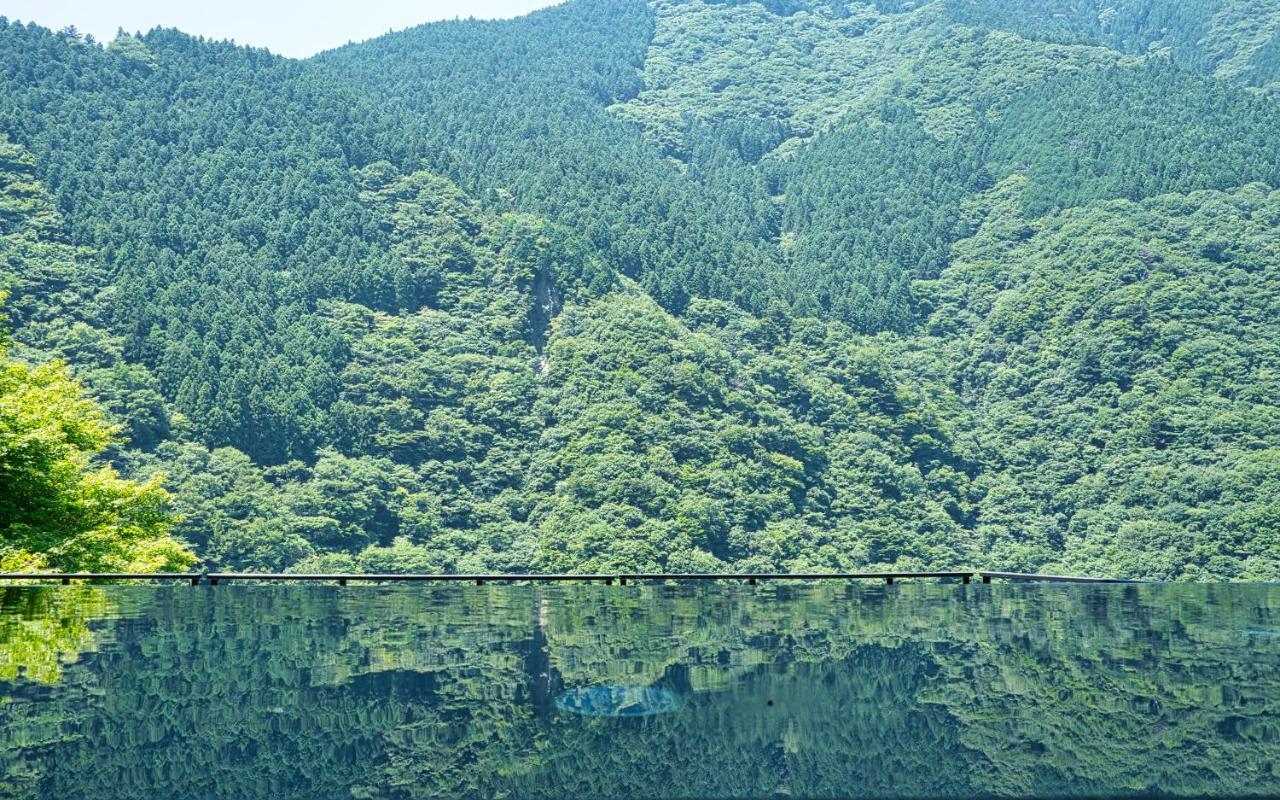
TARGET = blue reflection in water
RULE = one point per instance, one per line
(623, 700)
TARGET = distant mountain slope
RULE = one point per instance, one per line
(1231, 39)
(676, 285)
(1121, 362)
(465, 436)
(808, 69)
(515, 113)
(219, 208)
(55, 296)
(1133, 133)
(732, 92)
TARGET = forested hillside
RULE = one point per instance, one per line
(670, 285)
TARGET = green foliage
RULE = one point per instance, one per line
(898, 225)
(609, 286)
(1227, 38)
(808, 70)
(249, 215)
(532, 133)
(56, 301)
(1098, 134)
(1123, 357)
(60, 511)
(1132, 26)
(133, 50)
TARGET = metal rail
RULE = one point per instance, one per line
(68, 577)
(214, 578)
(342, 579)
(1027, 576)
(609, 579)
(887, 577)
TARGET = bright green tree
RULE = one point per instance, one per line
(59, 510)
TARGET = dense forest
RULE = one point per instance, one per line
(677, 285)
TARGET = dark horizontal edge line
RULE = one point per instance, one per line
(790, 575)
(133, 576)
(1027, 576)
(597, 577)
(266, 576)
(497, 577)
(509, 578)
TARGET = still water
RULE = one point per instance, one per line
(706, 691)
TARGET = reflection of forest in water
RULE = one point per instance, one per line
(829, 690)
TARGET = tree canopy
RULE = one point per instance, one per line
(60, 511)
(669, 285)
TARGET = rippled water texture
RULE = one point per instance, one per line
(911, 690)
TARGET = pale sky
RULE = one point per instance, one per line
(296, 28)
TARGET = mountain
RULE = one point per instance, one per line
(676, 286)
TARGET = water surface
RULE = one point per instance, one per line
(705, 691)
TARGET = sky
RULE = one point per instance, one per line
(297, 28)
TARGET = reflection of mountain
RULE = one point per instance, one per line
(822, 691)
(795, 729)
